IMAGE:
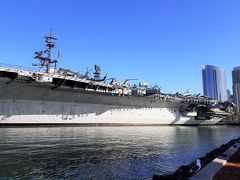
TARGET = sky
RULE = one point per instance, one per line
(163, 42)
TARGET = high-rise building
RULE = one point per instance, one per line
(214, 83)
(236, 86)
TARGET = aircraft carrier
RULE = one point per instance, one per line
(52, 96)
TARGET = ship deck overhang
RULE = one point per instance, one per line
(7, 74)
(78, 84)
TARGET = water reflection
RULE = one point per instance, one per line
(104, 152)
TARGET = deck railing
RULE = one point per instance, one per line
(10, 66)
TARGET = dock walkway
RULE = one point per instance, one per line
(226, 166)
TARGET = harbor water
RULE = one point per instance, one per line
(131, 152)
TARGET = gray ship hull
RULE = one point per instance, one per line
(37, 103)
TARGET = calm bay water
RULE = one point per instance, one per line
(104, 152)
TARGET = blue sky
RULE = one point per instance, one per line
(155, 41)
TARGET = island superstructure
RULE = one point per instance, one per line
(61, 96)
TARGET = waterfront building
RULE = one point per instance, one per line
(236, 86)
(214, 83)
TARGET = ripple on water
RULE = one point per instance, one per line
(104, 152)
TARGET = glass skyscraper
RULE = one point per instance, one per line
(236, 86)
(214, 82)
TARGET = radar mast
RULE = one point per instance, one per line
(44, 56)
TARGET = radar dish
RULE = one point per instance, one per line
(97, 68)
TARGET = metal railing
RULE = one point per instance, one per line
(10, 66)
